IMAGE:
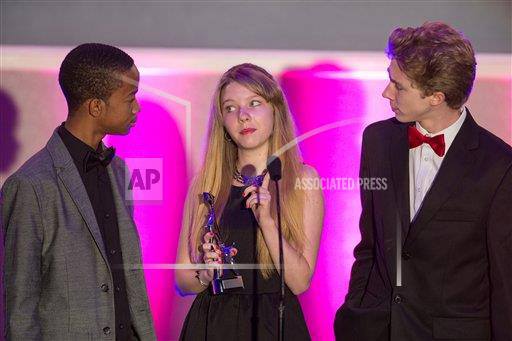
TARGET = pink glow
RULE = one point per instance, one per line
(315, 101)
(317, 96)
(156, 135)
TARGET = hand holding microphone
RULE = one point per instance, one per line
(259, 199)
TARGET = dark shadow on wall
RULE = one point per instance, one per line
(8, 149)
(8, 120)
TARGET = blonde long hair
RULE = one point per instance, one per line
(220, 161)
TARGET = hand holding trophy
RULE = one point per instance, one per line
(223, 278)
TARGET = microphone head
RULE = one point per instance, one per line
(208, 198)
(274, 167)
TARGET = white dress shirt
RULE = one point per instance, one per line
(424, 163)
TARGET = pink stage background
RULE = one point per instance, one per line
(335, 92)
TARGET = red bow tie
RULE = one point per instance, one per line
(417, 139)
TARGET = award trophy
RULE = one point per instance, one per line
(223, 279)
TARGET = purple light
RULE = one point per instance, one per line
(322, 95)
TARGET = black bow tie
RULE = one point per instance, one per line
(94, 158)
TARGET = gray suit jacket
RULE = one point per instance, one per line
(55, 260)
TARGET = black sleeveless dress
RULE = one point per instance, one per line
(250, 313)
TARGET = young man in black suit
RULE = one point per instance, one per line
(435, 257)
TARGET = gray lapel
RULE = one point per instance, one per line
(68, 174)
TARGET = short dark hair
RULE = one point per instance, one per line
(88, 71)
(437, 58)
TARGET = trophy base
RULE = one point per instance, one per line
(223, 284)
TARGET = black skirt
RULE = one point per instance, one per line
(250, 313)
(227, 317)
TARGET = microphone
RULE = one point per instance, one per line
(274, 170)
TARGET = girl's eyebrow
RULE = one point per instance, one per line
(247, 98)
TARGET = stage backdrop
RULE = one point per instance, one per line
(332, 95)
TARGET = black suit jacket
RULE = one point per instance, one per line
(456, 255)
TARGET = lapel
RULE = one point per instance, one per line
(399, 151)
(456, 164)
(68, 174)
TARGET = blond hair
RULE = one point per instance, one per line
(216, 173)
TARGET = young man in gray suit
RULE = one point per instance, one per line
(71, 245)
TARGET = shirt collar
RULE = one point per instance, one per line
(449, 132)
(76, 147)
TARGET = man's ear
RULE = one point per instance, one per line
(96, 107)
(437, 98)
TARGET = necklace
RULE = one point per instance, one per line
(249, 180)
